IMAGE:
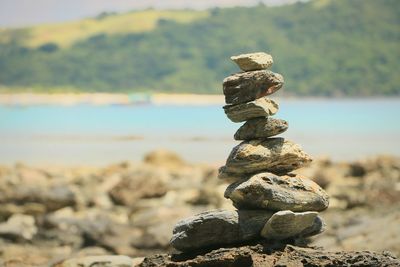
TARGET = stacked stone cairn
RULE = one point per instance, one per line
(272, 203)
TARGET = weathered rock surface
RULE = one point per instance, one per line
(272, 192)
(262, 107)
(218, 228)
(93, 261)
(263, 255)
(275, 155)
(248, 86)
(253, 61)
(287, 224)
(259, 128)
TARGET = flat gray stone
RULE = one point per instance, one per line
(275, 155)
(287, 224)
(262, 107)
(218, 228)
(259, 128)
(272, 192)
(248, 86)
(253, 61)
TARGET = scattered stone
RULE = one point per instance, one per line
(248, 86)
(218, 228)
(97, 261)
(253, 61)
(145, 182)
(262, 107)
(52, 197)
(164, 158)
(275, 155)
(287, 224)
(19, 226)
(261, 128)
(272, 192)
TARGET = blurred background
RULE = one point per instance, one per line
(112, 127)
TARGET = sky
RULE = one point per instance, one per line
(19, 13)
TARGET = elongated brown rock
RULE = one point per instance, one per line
(287, 224)
(271, 192)
(218, 228)
(248, 86)
(262, 107)
(261, 128)
(275, 155)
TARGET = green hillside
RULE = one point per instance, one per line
(66, 34)
(323, 48)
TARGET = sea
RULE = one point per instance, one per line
(341, 129)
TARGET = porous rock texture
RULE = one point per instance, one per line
(275, 155)
(262, 107)
(248, 86)
(273, 192)
(262, 255)
(253, 61)
(218, 228)
(261, 128)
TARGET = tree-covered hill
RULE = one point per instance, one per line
(322, 47)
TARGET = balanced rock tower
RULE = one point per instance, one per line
(271, 202)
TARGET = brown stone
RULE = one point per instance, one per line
(248, 86)
(262, 107)
(261, 128)
(275, 155)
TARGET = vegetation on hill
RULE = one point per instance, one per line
(322, 47)
(66, 34)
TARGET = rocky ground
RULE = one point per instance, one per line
(48, 215)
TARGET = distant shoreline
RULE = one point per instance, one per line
(124, 99)
(105, 99)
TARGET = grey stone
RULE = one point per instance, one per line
(52, 197)
(272, 192)
(262, 107)
(253, 61)
(259, 128)
(275, 155)
(218, 228)
(248, 86)
(287, 224)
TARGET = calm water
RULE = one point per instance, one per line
(342, 129)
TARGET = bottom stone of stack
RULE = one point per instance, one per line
(218, 228)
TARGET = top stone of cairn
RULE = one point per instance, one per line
(253, 61)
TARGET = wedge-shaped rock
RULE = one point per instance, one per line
(287, 224)
(261, 128)
(253, 61)
(248, 86)
(272, 192)
(262, 107)
(218, 228)
(275, 155)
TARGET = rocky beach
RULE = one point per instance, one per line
(51, 214)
